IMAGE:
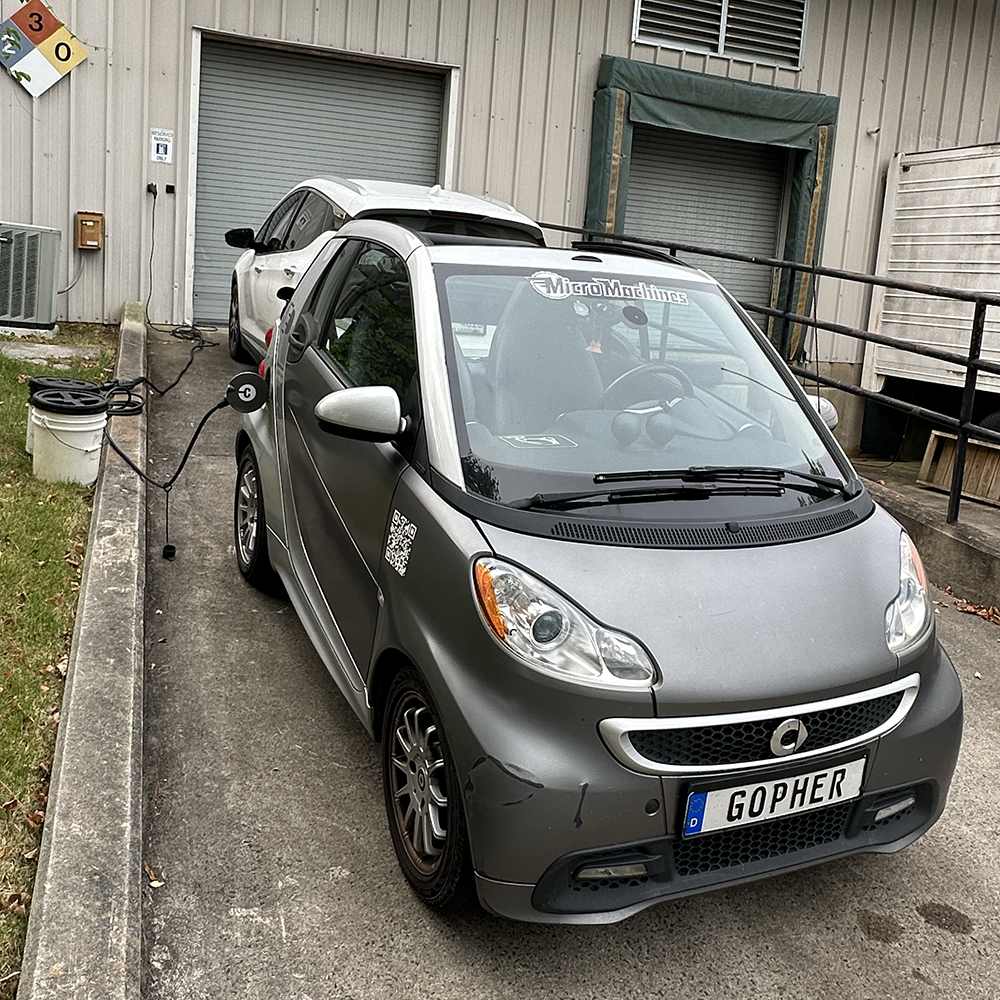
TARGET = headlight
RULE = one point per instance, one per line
(907, 618)
(550, 634)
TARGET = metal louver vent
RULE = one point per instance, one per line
(769, 29)
(765, 30)
(29, 259)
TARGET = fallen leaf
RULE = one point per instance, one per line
(155, 884)
(149, 871)
(35, 819)
(31, 855)
(9, 804)
(978, 675)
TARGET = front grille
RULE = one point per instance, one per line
(745, 845)
(746, 742)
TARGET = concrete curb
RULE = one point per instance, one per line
(84, 930)
(957, 555)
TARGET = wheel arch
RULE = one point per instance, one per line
(387, 665)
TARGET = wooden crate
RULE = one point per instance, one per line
(982, 467)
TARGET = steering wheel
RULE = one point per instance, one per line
(615, 388)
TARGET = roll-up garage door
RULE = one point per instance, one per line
(712, 193)
(269, 118)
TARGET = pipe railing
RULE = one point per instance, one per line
(973, 362)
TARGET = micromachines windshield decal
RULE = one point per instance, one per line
(558, 286)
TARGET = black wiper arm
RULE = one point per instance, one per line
(734, 473)
(643, 494)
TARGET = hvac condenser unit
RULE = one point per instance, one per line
(29, 259)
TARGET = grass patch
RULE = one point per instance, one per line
(43, 533)
(73, 333)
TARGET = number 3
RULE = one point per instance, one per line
(35, 20)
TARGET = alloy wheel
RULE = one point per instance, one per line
(419, 795)
(247, 512)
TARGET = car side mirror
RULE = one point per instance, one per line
(240, 238)
(366, 413)
(285, 292)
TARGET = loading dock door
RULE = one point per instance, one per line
(269, 118)
(710, 192)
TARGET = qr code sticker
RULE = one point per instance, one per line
(399, 543)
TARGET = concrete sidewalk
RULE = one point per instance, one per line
(86, 920)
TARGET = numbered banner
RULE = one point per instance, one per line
(37, 49)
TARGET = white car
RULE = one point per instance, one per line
(305, 219)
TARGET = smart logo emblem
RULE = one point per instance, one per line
(788, 737)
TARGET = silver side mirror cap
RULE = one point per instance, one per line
(369, 413)
(826, 410)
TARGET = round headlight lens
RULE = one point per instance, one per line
(909, 615)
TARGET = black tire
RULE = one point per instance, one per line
(250, 526)
(236, 349)
(424, 780)
(991, 422)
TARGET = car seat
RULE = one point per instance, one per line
(539, 365)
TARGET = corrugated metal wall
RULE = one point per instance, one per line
(911, 74)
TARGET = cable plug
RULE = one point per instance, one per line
(151, 189)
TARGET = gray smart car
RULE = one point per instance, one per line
(580, 554)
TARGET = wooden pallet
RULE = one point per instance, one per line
(982, 467)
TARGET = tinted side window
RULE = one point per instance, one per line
(273, 232)
(313, 217)
(370, 332)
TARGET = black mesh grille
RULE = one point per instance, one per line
(744, 742)
(748, 844)
(709, 536)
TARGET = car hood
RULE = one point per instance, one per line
(737, 628)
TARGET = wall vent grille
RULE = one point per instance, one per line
(29, 260)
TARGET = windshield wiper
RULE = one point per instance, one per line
(815, 484)
(644, 494)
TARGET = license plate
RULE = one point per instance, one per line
(740, 805)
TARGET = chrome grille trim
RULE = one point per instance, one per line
(615, 732)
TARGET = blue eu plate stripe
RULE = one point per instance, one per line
(695, 813)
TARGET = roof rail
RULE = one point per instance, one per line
(601, 246)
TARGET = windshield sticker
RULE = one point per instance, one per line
(538, 441)
(399, 542)
(557, 286)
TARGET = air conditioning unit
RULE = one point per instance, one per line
(29, 261)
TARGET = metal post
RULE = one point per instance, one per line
(968, 398)
(785, 340)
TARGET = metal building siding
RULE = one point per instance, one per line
(269, 118)
(712, 192)
(918, 71)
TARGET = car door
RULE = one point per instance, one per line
(356, 329)
(256, 307)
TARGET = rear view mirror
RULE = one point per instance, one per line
(240, 238)
(285, 292)
(826, 410)
(369, 413)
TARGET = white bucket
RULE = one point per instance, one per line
(67, 446)
(37, 382)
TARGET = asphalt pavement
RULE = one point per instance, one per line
(270, 869)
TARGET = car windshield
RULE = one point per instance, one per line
(561, 376)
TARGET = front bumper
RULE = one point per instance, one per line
(916, 760)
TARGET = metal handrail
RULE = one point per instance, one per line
(972, 362)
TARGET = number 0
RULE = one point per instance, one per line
(63, 52)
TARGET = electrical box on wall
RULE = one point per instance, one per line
(89, 230)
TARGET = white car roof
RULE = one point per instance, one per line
(361, 197)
